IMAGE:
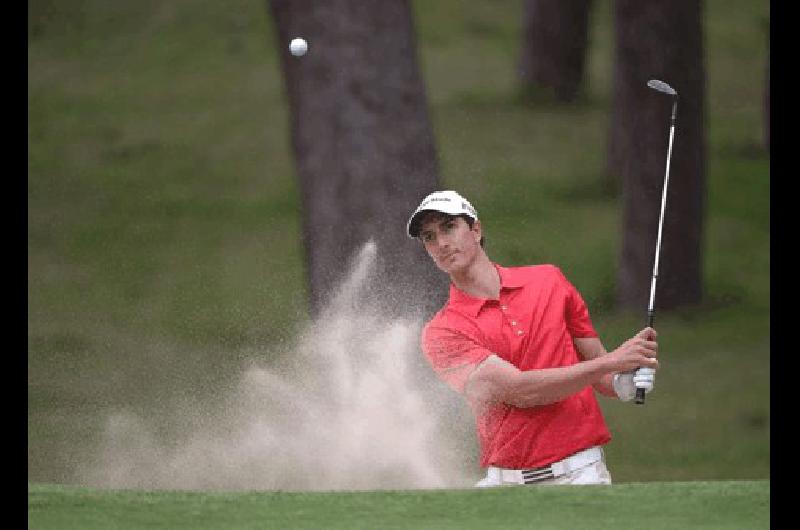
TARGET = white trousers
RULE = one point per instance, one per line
(595, 473)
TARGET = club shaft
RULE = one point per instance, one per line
(651, 305)
(640, 393)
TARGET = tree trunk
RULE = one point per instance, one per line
(554, 40)
(766, 103)
(363, 144)
(659, 40)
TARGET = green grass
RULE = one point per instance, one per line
(164, 233)
(675, 505)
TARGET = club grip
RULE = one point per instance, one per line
(651, 317)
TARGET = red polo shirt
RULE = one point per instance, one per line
(531, 326)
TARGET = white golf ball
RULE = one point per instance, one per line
(298, 47)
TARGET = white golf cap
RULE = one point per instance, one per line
(448, 202)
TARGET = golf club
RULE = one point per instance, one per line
(660, 86)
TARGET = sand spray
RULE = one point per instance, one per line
(350, 404)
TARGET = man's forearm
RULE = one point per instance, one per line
(496, 380)
(542, 387)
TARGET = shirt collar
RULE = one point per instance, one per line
(509, 279)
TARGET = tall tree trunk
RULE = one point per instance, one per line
(766, 101)
(554, 41)
(363, 144)
(659, 40)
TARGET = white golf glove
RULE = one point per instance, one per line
(626, 383)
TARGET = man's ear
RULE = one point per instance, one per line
(476, 228)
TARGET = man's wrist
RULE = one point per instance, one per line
(605, 365)
(605, 385)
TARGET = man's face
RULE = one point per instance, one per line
(451, 243)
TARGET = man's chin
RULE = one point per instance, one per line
(450, 267)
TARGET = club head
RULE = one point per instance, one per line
(661, 86)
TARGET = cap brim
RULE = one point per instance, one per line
(413, 223)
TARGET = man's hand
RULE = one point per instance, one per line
(625, 384)
(638, 351)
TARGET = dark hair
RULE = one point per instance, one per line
(470, 221)
(433, 214)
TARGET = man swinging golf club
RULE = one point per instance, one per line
(518, 343)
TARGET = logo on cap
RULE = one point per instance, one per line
(433, 199)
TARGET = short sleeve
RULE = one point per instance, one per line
(576, 312)
(452, 354)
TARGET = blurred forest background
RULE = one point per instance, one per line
(165, 217)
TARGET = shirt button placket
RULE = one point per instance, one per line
(514, 323)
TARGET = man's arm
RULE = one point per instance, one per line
(497, 381)
(592, 348)
(579, 324)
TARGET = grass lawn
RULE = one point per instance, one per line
(656, 506)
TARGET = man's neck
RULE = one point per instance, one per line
(479, 280)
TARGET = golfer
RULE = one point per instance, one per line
(518, 344)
